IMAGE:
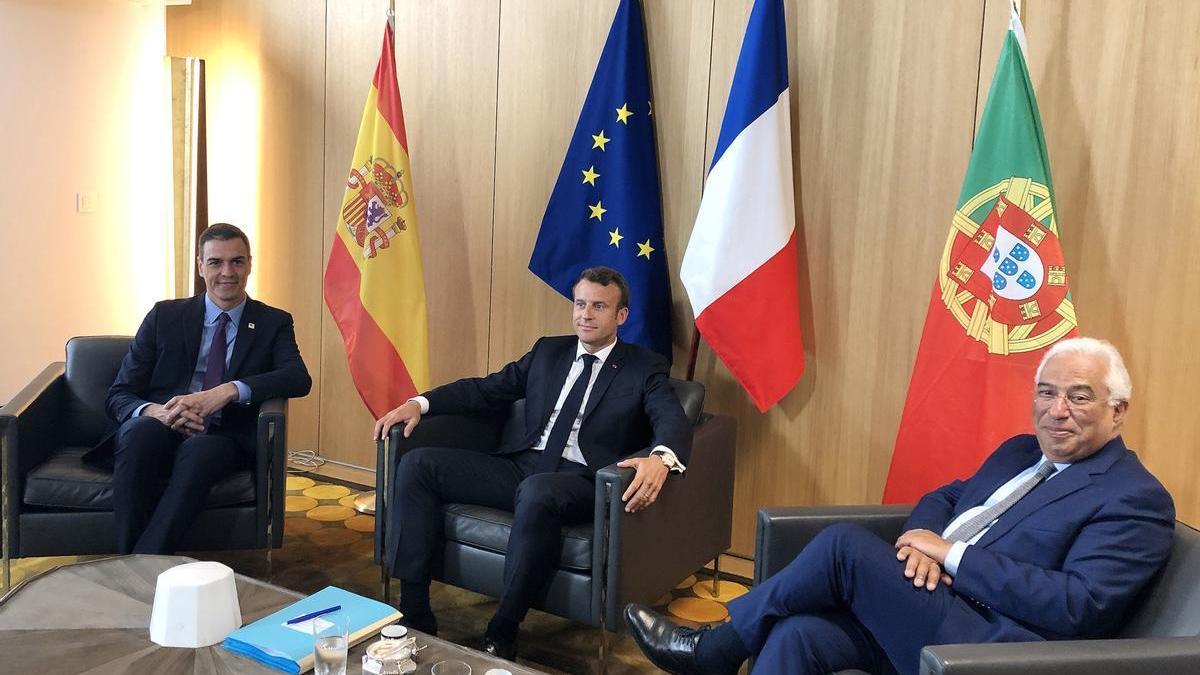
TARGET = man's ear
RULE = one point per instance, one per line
(1118, 413)
(622, 314)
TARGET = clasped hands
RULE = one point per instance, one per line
(187, 413)
(924, 554)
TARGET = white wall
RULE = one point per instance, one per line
(83, 109)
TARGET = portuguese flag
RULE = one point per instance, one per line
(1000, 298)
(374, 284)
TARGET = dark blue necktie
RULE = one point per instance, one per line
(556, 442)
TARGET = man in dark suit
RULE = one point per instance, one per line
(1051, 539)
(188, 393)
(591, 400)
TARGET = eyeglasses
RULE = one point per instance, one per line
(1075, 400)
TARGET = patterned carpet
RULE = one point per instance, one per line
(327, 542)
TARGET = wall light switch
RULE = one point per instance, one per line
(85, 202)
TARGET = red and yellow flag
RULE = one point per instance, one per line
(1000, 300)
(374, 283)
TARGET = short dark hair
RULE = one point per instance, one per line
(221, 232)
(606, 276)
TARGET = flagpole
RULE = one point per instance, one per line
(691, 368)
(365, 502)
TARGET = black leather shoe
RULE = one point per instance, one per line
(668, 645)
(426, 623)
(501, 649)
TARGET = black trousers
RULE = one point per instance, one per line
(428, 478)
(161, 480)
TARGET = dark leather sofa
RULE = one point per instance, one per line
(615, 559)
(54, 504)
(1161, 636)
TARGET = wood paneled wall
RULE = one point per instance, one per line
(884, 102)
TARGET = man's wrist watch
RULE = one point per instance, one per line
(667, 460)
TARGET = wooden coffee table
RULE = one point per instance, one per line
(95, 617)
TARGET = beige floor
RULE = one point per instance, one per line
(326, 542)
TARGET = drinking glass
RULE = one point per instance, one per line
(451, 667)
(331, 641)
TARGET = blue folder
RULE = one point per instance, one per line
(273, 643)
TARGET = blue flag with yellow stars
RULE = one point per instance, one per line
(606, 208)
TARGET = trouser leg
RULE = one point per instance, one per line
(143, 449)
(545, 503)
(816, 644)
(848, 569)
(200, 462)
(428, 478)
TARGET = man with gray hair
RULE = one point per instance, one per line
(1051, 539)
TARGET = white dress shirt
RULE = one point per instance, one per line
(572, 451)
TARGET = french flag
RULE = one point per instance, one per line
(739, 269)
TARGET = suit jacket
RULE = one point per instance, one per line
(632, 406)
(1068, 558)
(162, 360)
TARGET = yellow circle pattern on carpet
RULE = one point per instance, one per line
(299, 483)
(301, 525)
(327, 491)
(348, 500)
(330, 513)
(728, 590)
(698, 610)
(297, 503)
(361, 523)
(686, 583)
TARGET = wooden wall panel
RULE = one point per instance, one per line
(548, 52)
(446, 67)
(884, 98)
(875, 189)
(1122, 126)
(270, 43)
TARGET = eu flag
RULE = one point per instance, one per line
(606, 208)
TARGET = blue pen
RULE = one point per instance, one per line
(313, 615)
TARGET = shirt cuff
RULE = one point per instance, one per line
(421, 401)
(664, 450)
(243, 392)
(954, 557)
(137, 412)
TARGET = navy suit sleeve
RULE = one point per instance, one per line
(288, 377)
(1112, 556)
(133, 379)
(936, 509)
(484, 394)
(666, 415)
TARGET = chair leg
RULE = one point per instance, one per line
(605, 648)
(385, 584)
(716, 585)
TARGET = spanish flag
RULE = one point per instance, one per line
(374, 284)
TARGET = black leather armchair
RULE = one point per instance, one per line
(615, 559)
(1161, 636)
(54, 504)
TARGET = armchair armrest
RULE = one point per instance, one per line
(27, 435)
(690, 523)
(1147, 656)
(270, 468)
(784, 531)
(437, 431)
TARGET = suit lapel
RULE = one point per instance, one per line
(1073, 478)
(1009, 465)
(558, 377)
(193, 329)
(245, 337)
(608, 372)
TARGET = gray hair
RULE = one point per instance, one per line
(1120, 387)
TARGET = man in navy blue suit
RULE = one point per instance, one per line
(1051, 539)
(188, 393)
(590, 400)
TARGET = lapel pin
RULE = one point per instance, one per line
(250, 326)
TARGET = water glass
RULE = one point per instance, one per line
(331, 641)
